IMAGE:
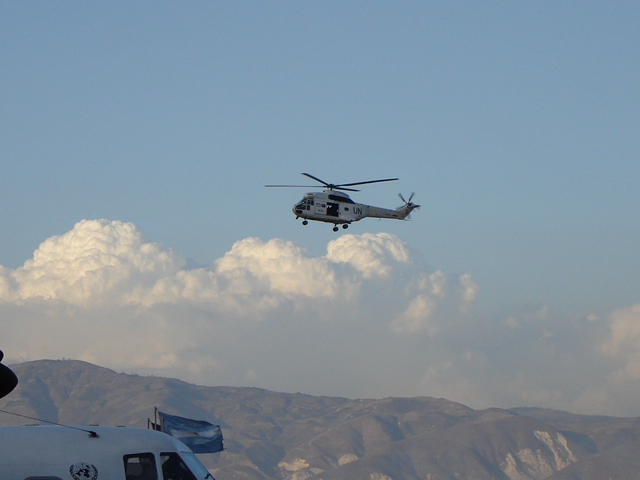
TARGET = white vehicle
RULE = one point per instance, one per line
(39, 452)
(332, 206)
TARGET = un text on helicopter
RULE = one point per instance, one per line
(332, 205)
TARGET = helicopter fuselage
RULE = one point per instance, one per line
(336, 207)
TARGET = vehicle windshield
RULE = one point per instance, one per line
(195, 465)
(185, 466)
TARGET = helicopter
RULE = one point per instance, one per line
(332, 205)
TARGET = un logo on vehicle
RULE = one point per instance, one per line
(83, 471)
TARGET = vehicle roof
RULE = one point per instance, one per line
(115, 439)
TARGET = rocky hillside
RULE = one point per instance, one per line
(270, 435)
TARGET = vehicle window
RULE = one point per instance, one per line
(174, 468)
(140, 466)
(43, 478)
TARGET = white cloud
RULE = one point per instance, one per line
(370, 254)
(624, 343)
(369, 318)
(416, 317)
(90, 263)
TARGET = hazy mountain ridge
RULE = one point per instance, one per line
(270, 435)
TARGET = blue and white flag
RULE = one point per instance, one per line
(198, 435)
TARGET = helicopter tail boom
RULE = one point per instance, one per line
(399, 213)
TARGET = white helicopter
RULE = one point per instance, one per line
(334, 206)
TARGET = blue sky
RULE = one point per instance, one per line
(516, 124)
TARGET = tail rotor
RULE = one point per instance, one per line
(408, 206)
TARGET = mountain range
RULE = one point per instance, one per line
(293, 436)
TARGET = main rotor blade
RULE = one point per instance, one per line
(296, 186)
(331, 186)
(318, 180)
(340, 185)
(370, 181)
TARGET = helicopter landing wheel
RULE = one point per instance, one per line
(335, 229)
(345, 226)
(305, 222)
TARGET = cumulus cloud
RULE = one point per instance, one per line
(368, 319)
(624, 343)
(90, 263)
